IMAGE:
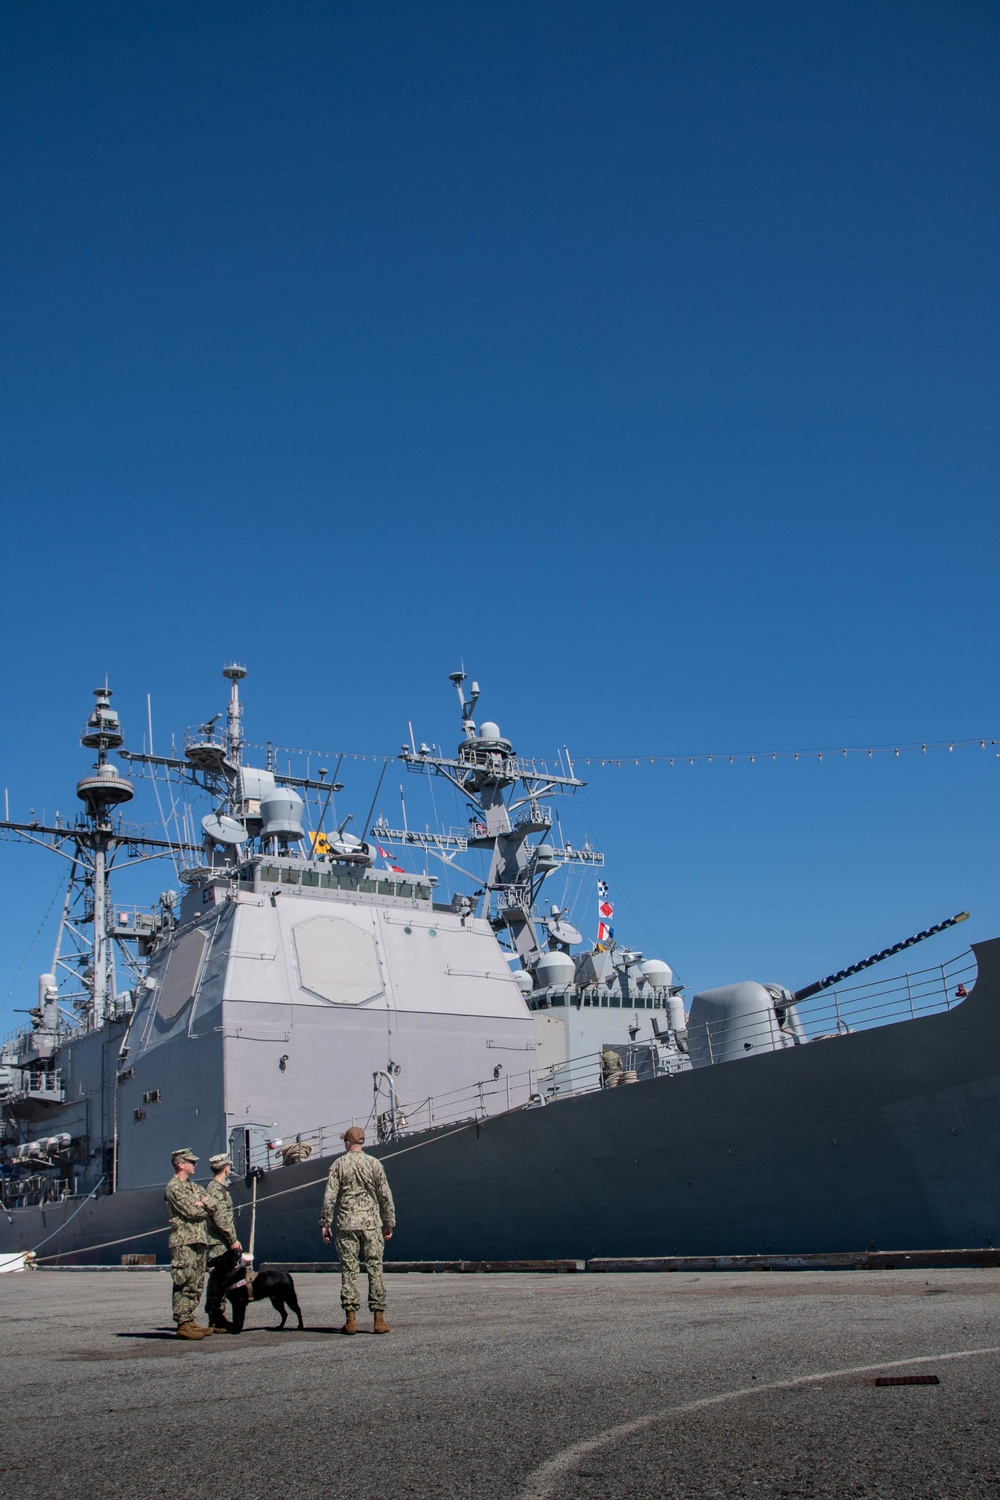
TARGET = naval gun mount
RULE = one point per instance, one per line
(742, 1020)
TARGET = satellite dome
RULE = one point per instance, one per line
(489, 731)
(281, 813)
(555, 969)
(657, 973)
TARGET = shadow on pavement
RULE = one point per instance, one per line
(156, 1333)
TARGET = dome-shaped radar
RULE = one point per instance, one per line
(655, 972)
(554, 969)
(490, 737)
(281, 814)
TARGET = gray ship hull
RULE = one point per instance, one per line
(883, 1139)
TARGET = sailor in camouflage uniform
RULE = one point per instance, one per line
(358, 1201)
(611, 1068)
(220, 1228)
(188, 1238)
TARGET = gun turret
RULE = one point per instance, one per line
(876, 958)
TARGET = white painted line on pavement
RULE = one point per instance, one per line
(542, 1481)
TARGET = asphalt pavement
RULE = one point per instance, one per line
(745, 1386)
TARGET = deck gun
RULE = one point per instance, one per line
(876, 958)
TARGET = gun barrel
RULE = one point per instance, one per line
(876, 958)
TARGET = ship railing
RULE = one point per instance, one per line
(46, 1088)
(204, 734)
(136, 833)
(139, 920)
(837, 1012)
(529, 1088)
(67, 1031)
(844, 1009)
(33, 1191)
(513, 898)
(535, 815)
(899, 997)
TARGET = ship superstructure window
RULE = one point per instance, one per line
(312, 877)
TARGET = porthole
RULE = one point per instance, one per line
(407, 929)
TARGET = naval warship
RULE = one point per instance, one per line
(535, 1095)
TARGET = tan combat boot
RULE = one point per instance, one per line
(350, 1322)
(381, 1326)
(192, 1330)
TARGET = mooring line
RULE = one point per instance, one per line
(283, 1193)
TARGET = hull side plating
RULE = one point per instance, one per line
(887, 1138)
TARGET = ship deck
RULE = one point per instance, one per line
(513, 1387)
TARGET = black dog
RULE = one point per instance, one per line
(276, 1286)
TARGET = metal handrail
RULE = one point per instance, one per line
(847, 1009)
(859, 1007)
(477, 1101)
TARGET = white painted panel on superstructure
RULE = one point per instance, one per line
(337, 960)
(550, 1038)
(439, 966)
(181, 977)
(428, 962)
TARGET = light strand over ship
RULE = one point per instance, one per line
(296, 980)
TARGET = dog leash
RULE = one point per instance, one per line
(248, 1271)
(253, 1216)
(146, 1234)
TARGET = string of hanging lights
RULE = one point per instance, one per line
(841, 752)
(706, 757)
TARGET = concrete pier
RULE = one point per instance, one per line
(513, 1387)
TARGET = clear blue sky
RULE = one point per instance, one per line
(644, 356)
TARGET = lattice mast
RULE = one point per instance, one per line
(488, 774)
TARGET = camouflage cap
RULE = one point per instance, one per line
(355, 1136)
(184, 1154)
(219, 1161)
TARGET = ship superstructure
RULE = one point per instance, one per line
(305, 978)
(603, 996)
(295, 979)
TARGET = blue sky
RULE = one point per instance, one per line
(643, 357)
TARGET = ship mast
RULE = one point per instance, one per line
(507, 795)
(87, 930)
(101, 792)
(234, 673)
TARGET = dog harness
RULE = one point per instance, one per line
(247, 1282)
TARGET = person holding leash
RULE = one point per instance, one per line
(220, 1228)
(358, 1202)
(188, 1239)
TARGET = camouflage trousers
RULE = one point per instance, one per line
(187, 1263)
(353, 1245)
